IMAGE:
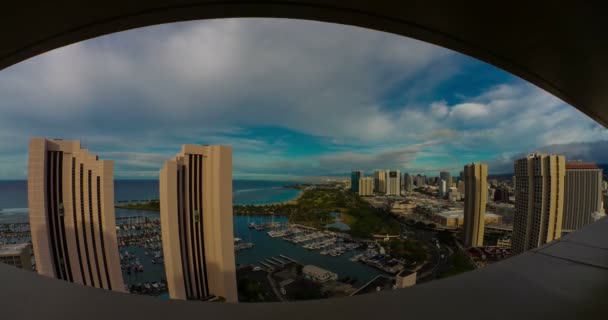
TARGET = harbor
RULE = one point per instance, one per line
(333, 251)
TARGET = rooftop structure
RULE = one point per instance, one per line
(18, 255)
(318, 274)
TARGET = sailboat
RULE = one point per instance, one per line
(250, 224)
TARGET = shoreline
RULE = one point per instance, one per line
(292, 201)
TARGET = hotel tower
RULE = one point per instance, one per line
(476, 196)
(539, 201)
(196, 222)
(71, 211)
(583, 195)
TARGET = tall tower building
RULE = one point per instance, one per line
(393, 183)
(475, 199)
(539, 201)
(196, 220)
(380, 181)
(583, 188)
(443, 189)
(354, 180)
(71, 211)
(447, 177)
(420, 181)
(366, 186)
(408, 182)
(461, 188)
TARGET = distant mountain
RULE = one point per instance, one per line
(505, 176)
(501, 176)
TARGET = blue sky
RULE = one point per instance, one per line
(293, 98)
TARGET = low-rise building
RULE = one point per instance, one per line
(455, 218)
(492, 218)
(318, 274)
(18, 255)
(504, 243)
(405, 278)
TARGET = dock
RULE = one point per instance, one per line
(288, 258)
(272, 262)
(266, 265)
(277, 260)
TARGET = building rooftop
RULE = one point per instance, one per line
(12, 249)
(312, 269)
(451, 214)
(379, 283)
(581, 165)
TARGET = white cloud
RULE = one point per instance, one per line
(143, 93)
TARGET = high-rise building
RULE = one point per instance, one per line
(447, 177)
(539, 201)
(583, 189)
(443, 189)
(420, 181)
(196, 219)
(461, 188)
(501, 194)
(17, 255)
(476, 186)
(354, 180)
(453, 194)
(393, 183)
(380, 181)
(461, 176)
(366, 186)
(71, 209)
(408, 182)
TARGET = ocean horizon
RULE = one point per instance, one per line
(14, 207)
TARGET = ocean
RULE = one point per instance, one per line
(13, 205)
(13, 195)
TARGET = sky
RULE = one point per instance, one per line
(293, 98)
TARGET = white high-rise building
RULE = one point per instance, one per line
(443, 188)
(447, 177)
(393, 183)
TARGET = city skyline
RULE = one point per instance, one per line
(400, 103)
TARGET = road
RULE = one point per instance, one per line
(439, 255)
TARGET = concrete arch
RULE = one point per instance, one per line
(561, 49)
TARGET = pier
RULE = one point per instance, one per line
(288, 258)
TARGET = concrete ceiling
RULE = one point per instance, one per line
(561, 48)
